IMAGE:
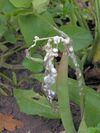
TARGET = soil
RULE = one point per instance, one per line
(34, 124)
(9, 106)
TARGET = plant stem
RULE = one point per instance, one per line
(94, 55)
(79, 15)
(5, 77)
(63, 95)
(79, 75)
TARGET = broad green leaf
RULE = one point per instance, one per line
(2, 30)
(21, 3)
(3, 22)
(32, 25)
(80, 36)
(29, 105)
(92, 101)
(2, 3)
(10, 37)
(93, 130)
(8, 8)
(32, 65)
(3, 19)
(83, 127)
(40, 6)
(91, 108)
(98, 125)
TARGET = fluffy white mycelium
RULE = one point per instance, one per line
(50, 74)
(50, 70)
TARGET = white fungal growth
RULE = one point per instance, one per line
(71, 49)
(56, 39)
(50, 71)
(36, 38)
(52, 52)
(66, 41)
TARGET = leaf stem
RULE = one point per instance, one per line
(63, 94)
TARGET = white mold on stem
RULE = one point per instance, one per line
(52, 52)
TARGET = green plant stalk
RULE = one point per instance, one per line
(2, 92)
(14, 79)
(63, 94)
(79, 16)
(5, 77)
(94, 55)
(78, 71)
(97, 32)
(97, 19)
(72, 14)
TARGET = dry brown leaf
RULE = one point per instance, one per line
(9, 123)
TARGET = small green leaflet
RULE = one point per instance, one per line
(32, 106)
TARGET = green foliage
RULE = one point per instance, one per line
(32, 65)
(35, 18)
(7, 8)
(40, 6)
(30, 103)
(94, 129)
(83, 127)
(92, 100)
(10, 37)
(80, 36)
(92, 110)
(21, 3)
(32, 25)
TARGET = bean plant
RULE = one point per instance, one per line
(45, 28)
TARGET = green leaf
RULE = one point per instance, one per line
(92, 100)
(98, 125)
(28, 104)
(91, 108)
(32, 25)
(21, 3)
(83, 127)
(8, 8)
(40, 6)
(2, 30)
(80, 36)
(32, 65)
(3, 22)
(10, 37)
(2, 3)
(93, 130)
